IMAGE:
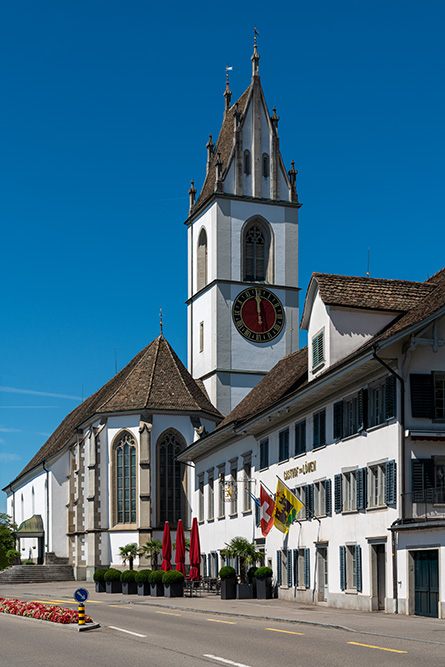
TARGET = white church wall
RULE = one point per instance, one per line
(59, 489)
(204, 311)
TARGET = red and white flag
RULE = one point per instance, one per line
(267, 506)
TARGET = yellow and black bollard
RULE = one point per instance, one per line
(81, 614)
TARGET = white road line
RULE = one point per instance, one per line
(136, 634)
(227, 662)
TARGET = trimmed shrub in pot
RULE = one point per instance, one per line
(228, 582)
(156, 585)
(129, 586)
(99, 578)
(142, 583)
(113, 581)
(263, 577)
(173, 581)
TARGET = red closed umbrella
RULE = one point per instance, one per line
(166, 548)
(180, 548)
(195, 552)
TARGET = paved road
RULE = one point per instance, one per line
(166, 637)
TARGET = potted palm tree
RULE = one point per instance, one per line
(128, 553)
(156, 585)
(141, 579)
(263, 577)
(228, 582)
(99, 578)
(113, 582)
(247, 554)
(152, 550)
(129, 586)
(173, 581)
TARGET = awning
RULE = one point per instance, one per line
(32, 527)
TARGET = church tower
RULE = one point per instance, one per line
(242, 253)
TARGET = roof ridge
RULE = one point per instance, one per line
(370, 278)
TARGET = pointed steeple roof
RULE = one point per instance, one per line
(155, 379)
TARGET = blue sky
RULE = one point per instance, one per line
(106, 109)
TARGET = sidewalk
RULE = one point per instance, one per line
(414, 628)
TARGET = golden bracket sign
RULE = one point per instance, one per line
(307, 466)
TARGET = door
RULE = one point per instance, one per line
(426, 583)
(381, 575)
(322, 555)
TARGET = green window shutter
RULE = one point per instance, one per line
(289, 568)
(342, 568)
(316, 429)
(390, 397)
(295, 567)
(309, 500)
(358, 567)
(338, 496)
(338, 420)
(390, 485)
(278, 567)
(423, 480)
(360, 421)
(322, 427)
(422, 395)
(300, 437)
(307, 568)
(361, 479)
(328, 497)
(317, 349)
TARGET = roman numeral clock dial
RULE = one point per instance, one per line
(258, 314)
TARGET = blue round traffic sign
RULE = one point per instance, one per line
(81, 595)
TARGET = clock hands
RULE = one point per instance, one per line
(258, 306)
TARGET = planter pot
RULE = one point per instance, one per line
(100, 586)
(157, 590)
(129, 588)
(264, 588)
(228, 589)
(144, 588)
(174, 590)
(244, 591)
(113, 587)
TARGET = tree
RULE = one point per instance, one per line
(246, 551)
(7, 538)
(128, 553)
(152, 550)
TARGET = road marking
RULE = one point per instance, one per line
(119, 605)
(393, 650)
(216, 620)
(227, 662)
(168, 613)
(288, 632)
(136, 634)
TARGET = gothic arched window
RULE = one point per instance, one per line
(265, 165)
(247, 167)
(170, 478)
(202, 260)
(125, 477)
(256, 252)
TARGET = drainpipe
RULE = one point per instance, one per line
(47, 507)
(402, 476)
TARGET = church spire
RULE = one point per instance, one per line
(227, 93)
(255, 58)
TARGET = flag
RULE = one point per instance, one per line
(255, 500)
(267, 505)
(287, 507)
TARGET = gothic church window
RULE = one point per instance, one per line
(247, 166)
(256, 250)
(171, 500)
(266, 169)
(124, 456)
(202, 260)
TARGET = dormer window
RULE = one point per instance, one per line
(266, 169)
(247, 166)
(318, 350)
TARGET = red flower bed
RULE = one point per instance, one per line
(46, 612)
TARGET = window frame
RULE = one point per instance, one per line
(120, 441)
(177, 481)
(318, 350)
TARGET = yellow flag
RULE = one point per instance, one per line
(287, 507)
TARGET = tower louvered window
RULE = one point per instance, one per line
(170, 478)
(126, 478)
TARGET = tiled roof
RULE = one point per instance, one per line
(286, 376)
(155, 379)
(370, 293)
(224, 145)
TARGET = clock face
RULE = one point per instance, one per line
(258, 314)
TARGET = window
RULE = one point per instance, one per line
(201, 497)
(202, 260)
(320, 428)
(351, 567)
(125, 478)
(255, 251)
(349, 491)
(301, 567)
(351, 416)
(266, 169)
(171, 498)
(439, 395)
(264, 453)
(428, 395)
(300, 437)
(211, 496)
(376, 410)
(247, 166)
(201, 336)
(221, 495)
(247, 465)
(428, 480)
(318, 350)
(233, 485)
(300, 494)
(320, 498)
(376, 485)
(283, 453)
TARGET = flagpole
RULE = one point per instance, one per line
(267, 488)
